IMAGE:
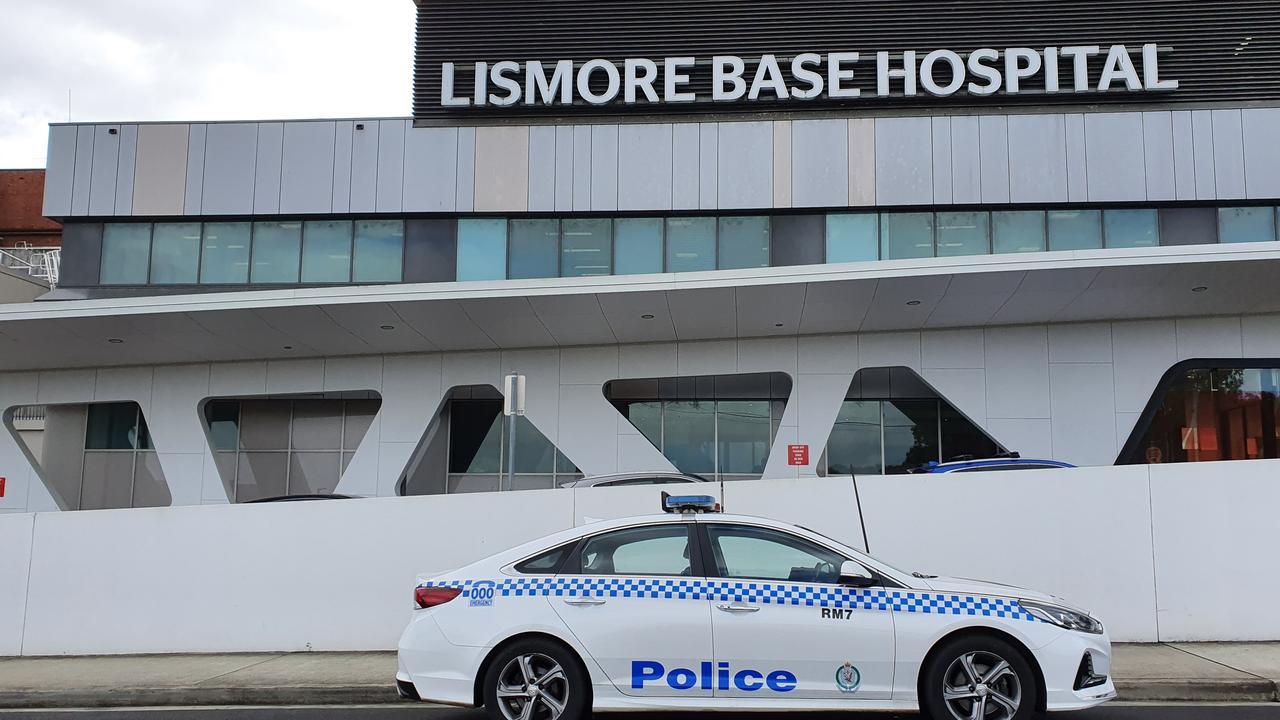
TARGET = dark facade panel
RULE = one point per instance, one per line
(81, 254)
(1188, 226)
(1218, 51)
(430, 251)
(799, 240)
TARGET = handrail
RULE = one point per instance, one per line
(42, 263)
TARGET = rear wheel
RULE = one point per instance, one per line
(979, 678)
(535, 680)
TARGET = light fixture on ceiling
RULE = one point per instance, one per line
(1199, 288)
(387, 327)
(913, 303)
(646, 316)
(777, 324)
(114, 341)
(287, 347)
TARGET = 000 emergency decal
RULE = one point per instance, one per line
(481, 593)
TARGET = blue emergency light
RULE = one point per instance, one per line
(689, 503)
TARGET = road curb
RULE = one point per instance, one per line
(1189, 690)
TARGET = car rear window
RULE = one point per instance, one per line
(546, 563)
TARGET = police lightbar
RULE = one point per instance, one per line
(689, 503)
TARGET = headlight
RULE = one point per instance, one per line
(1062, 617)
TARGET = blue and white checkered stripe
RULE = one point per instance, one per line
(766, 593)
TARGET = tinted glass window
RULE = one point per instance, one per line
(585, 247)
(175, 253)
(691, 244)
(326, 251)
(637, 245)
(741, 551)
(482, 249)
(1255, 224)
(689, 435)
(1131, 228)
(116, 426)
(1214, 414)
(1017, 231)
(1075, 229)
(379, 248)
(854, 446)
(906, 235)
(853, 237)
(658, 550)
(910, 434)
(547, 562)
(744, 436)
(963, 233)
(276, 251)
(225, 257)
(743, 242)
(534, 249)
(126, 249)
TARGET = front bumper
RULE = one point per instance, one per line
(1060, 662)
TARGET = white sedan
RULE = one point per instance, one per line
(706, 611)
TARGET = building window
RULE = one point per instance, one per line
(533, 250)
(853, 237)
(691, 244)
(906, 235)
(125, 251)
(892, 422)
(273, 447)
(713, 425)
(585, 247)
(1206, 410)
(326, 251)
(482, 249)
(1130, 228)
(1018, 231)
(743, 242)
(1246, 224)
(637, 245)
(224, 259)
(963, 233)
(1075, 229)
(379, 251)
(175, 253)
(276, 252)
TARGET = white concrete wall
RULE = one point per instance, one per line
(1164, 553)
(1072, 392)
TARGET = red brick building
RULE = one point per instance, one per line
(21, 221)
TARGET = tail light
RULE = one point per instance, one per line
(427, 597)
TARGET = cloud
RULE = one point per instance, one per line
(128, 60)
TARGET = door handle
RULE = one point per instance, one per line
(738, 607)
(584, 601)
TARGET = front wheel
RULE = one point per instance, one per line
(535, 680)
(979, 678)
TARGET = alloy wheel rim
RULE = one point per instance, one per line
(532, 687)
(981, 686)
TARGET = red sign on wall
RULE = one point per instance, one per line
(797, 454)
(1, 487)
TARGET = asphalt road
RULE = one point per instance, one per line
(1180, 711)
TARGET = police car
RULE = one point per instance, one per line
(694, 609)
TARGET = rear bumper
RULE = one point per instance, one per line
(433, 669)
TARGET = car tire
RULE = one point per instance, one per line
(957, 676)
(562, 688)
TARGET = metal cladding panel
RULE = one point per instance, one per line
(1205, 46)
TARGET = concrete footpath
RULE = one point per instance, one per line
(1216, 672)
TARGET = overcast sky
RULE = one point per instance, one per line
(196, 60)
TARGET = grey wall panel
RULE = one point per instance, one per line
(364, 167)
(267, 168)
(430, 250)
(231, 150)
(862, 162)
(1077, 166)
(106, 164)
(798, 240)
(941, 134)
(966, 160)
(782, 153)
(80, 187)
(993, 139)
(1228, 154)
(81, 254)
(125, 171)
(196, 142)
(341, 199)
(745, 165)
(1157, 152)
(306, 174)
(542, 168)
(819, 163)
(390, 165)
(1037, 158)
(466, 169)
(502, 169)
(604, 167)
(564, 168)
(644, 167)
(1262, 153)
(904, 161)
(581, 167)
(1202, 148)
(684, 166)
(1184, 161)
(1114, 157)
(708, 173)
(60, 170)
(160, 175)
(430, 169)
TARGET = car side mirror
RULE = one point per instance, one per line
(854, 575)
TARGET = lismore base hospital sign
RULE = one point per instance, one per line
(807, 76)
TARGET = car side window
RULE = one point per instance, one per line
(546, 563)
(653, 550)
(754, 553)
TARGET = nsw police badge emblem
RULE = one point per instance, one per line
(848, 678)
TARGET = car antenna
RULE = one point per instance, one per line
(721, 492)
(866, 544)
